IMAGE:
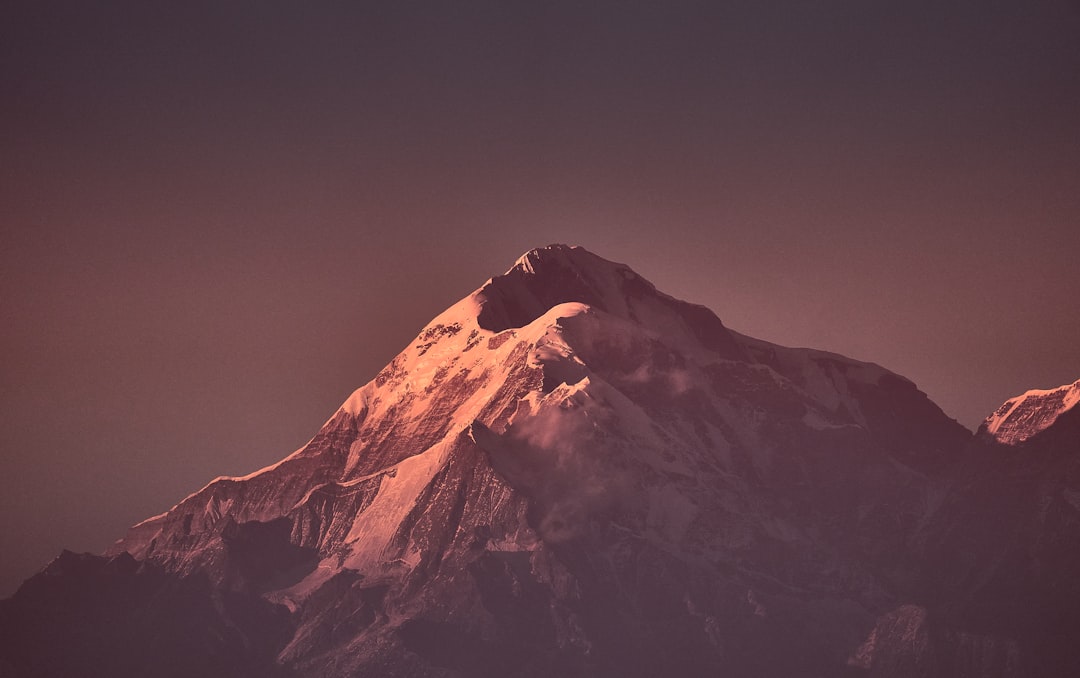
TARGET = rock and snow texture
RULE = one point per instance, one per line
(1021, 418)
(564, 347)
(569, 472)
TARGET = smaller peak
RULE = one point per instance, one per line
(1024, 416)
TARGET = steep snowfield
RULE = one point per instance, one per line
(1021, 418)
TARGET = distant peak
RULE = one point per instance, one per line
(1021, 418)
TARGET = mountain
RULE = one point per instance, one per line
(1022, 418)
(569, 472)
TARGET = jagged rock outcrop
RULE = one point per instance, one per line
(571, 473)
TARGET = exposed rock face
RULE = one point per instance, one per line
(571, 473)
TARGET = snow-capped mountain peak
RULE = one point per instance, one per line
(1021, 418)
(573, 472)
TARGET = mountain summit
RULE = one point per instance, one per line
(567, 472)
(1021, 418)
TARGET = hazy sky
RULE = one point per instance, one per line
(219, 218)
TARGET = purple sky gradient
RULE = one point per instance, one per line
(221, 218)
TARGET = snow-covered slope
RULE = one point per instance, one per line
(1021, 418)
